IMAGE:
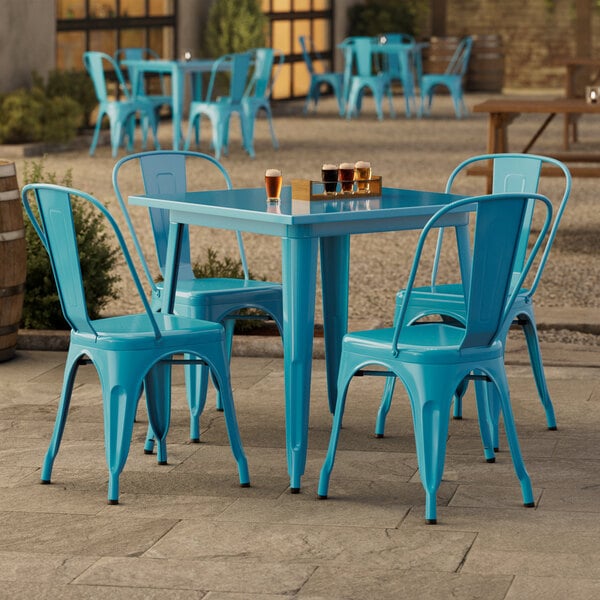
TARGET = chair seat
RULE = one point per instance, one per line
(216, 291)
(427, 342)
(136, 332)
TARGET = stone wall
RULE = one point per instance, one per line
(535, 37)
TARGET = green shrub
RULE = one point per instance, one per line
(40, 114)
(76, 85)
(234, 26)
(385, 16)
(41, 307)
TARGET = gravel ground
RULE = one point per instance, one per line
(412, 153)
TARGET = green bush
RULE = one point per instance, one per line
(41, 307)
(76, 85)
(43, 113)
(387, 16)
(234, 26)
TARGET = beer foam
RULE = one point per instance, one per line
(363, 164)
(329, 167)
(273, 173)
(346, 166)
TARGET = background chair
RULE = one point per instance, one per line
(331, 79)
(452, 79)
(217, 299)
(360, 53)
(126, 350)
(511, 173)
(431, 359)
(220, 107)
(121, 113)
(257, 95)
(157, 100)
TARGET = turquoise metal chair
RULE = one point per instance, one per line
(331, 79)
(402, 64)
(360, 56)
(121, 114)
(220, 108)
(127, 351)
(218, 299)
(431, 359)
(452, 79)
(157, 100)
(257, 95)
(510, 173)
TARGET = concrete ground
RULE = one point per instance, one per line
(188, 531)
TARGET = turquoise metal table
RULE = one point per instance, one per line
(177, 69)
(305, 228)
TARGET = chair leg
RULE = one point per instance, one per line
(488, 422)
(220, 374)
(229, 325)
(157, 384)
(196, 385)
(345, 375)
(96, 134)
(61, 416)
(458, 396)
(535, 357)
(511, 436)
(385, 405)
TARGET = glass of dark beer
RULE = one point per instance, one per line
(329, 177)
(273, 180)
(346, 176)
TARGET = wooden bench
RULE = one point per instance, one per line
(503, 111)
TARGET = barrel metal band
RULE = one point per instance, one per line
(10, 195)
(6, 170)
(8, 329)
(10, 236)
(12, 290)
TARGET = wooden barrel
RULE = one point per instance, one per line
(486, 67)
(437, 55)
(12, 259)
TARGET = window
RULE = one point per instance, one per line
(290, 19)
(107, 25)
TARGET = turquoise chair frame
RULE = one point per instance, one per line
(214, 299)
(121, 114)
(431, 359)
(157, 100)
(510, 172)
(360, 54)
(257, 95)
(127, 351)
(452, 79)
(220, 108)
(331, 79)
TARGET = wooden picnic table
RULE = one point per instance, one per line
(503, 111)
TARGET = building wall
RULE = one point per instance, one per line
(27, 41)
(534, 36)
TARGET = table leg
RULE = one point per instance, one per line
(172, 267)
(299, 274)
(335, 267)
(177, 83)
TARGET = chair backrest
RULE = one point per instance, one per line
(52, 219)
(460, 59)
(517, 173)
(135, 54)
(306, 44)
(489, 291)
(361, 49)
(237, 66)
(391, 62)
(164, 172)
(96, 64)
(263, 76)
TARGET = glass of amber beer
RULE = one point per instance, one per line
(346, 176)
(273, 180)
(362, 174)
